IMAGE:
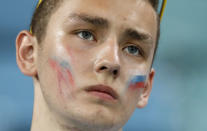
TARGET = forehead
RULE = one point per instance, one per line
(120, 13)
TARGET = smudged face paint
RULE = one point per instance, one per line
(137, 82)
(63, 71)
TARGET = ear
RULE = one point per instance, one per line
(26, 51)
(144, 96)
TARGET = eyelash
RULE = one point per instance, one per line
(78, 33)
(140, 51)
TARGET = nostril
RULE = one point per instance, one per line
(103, 68)
(112, 70)
(115, 72)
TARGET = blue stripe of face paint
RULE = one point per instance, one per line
(62, 63)
(65, 64)
(137, 79)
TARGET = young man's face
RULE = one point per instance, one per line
(94, 63)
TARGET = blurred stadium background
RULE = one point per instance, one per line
(178, 100)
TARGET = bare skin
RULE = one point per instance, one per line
(93, 67)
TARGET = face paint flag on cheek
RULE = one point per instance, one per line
(63, 70)
(137, 82)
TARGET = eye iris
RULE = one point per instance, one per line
(132, 49)
(86, 35)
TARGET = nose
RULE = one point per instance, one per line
(108, 60)
(106, 67)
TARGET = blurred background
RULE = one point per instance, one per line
(178, 99)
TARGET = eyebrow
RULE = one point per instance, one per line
(138, 35)
(98, 21)
(93, 20)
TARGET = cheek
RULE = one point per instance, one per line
(137, 82)
(63, 73)
(81, 63)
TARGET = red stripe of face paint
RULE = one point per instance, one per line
(60, 74)
(137, 85)
(70, 77)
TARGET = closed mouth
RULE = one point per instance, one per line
(103, 91)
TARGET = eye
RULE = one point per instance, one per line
(133, 50)
(86, 35)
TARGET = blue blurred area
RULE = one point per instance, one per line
(178, 100)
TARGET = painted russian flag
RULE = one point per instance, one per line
(137, 82)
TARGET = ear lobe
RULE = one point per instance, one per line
(144, 96)
(26, 49)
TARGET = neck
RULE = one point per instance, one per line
(43, 119)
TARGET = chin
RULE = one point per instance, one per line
(95, 118)
(99, 123)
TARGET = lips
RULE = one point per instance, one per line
(103, 91)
